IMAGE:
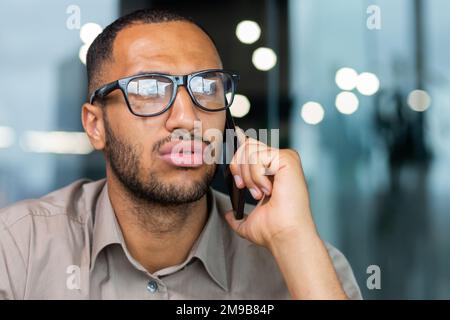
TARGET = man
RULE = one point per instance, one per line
(154, 229)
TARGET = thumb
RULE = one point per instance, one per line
(236, 225)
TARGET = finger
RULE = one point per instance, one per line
(236, 171)
(262, 201)
(240, 136)
(272, 162)
(240, 157)
(244, 142)
(243, 138)
(240, 160)
(258, 171)
(237, 226)
(248, 158)
(249, 183)
(270, 159)
(236, 159)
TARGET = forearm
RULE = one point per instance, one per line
(306, 267)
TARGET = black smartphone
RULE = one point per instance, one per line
(237, 195)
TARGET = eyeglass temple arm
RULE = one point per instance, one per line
(103, 91)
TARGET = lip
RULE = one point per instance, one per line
(183, 153)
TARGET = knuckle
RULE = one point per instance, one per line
(234, 168)
(292, 154)
(253, 157)
(246, 176)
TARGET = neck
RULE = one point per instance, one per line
(152, 231)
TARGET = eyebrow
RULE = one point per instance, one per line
(142, 72)
(139, 73)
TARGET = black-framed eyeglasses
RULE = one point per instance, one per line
(151, 94)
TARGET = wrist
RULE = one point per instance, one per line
(306, 267)
(298, 239)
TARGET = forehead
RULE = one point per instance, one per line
(169, 47)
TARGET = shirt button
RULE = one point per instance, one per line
(152, 286)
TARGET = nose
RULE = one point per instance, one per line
(182, 114)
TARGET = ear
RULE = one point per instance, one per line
(93, 124)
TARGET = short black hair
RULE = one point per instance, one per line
(101, 48)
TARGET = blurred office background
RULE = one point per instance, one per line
(360, 88)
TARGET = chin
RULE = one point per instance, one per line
(183, 175)
(187, 176)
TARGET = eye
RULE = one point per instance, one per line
(148, 87)
(203, 86)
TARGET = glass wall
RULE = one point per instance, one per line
(43, 86)
(377, 162)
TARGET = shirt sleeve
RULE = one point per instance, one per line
(12, 267)
(345, 273)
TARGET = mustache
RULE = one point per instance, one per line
(170, 138)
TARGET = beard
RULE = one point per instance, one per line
(125, 162)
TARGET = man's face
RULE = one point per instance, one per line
(134, 145)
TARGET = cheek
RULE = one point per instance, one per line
(138, 133)
(213, 123)
(212, 128)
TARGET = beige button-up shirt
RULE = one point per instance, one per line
(69, 245)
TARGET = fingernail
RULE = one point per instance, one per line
(238, 180)
(266, 192)
(254, 192)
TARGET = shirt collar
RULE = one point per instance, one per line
(106, 229)
(208, 248)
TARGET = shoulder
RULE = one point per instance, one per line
(35, 231)
(70, 201)
(54, 217)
